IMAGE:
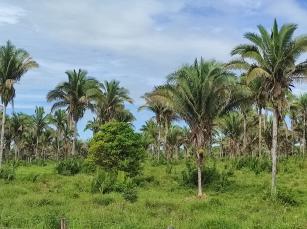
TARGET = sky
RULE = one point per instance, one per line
(137, 42)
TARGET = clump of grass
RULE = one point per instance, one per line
(7, 173)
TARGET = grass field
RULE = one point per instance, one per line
(39, 197)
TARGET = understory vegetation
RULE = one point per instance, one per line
(36, 196)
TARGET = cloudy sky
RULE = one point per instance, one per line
(137, 42)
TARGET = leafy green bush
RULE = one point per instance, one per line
(255, 164)
(88, 166)
(130, 194)
(104, 182)
(7, 173)
(116, 147)
(210, 177)
(69, 167)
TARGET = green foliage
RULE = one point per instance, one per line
(255, 164)
(130, 192)
(117, 148)
(283, 196)
(7, 173)
(211, 176)
(104, 182)
(69, 167)
(103, 200)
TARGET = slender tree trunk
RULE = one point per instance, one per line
(304, 136)
(199, 178)
(2, 134)
(259, 133)
(73, 150)
(274, 151)
(159, 141)
(244, 133)
(292, 137)
(58, 147)
(36, 148)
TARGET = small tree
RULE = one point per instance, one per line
(116, 147)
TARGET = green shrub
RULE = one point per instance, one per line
(255, 164)
(88, 166)
(116, 147)
(210, 177)
(7, 173)
(130, 194)
(104, 182)
(69, 167)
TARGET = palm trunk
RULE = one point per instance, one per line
(2, 134)
(36, 148)
(58, 147)
(274, 151)
(244, 132)
(304, 136)
(199, 178)
(259, 133)
(73, 150)
(292, 137)
(159, 141)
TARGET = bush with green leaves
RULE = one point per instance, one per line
(7, 173)
(116, 147)
(218, 180)
(69, 167)
(255, 164)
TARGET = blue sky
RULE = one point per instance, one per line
(137, 42)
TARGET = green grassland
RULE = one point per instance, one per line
(39, 197)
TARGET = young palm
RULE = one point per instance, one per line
(77, 94)
(14, 63)
(59, 120)
(232, 128)
(301, 107)
(199, 94)
(273, 57)
(40, 123)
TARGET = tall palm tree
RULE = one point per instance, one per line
(111, 104)
(20, 124)
(232, 128)
(14, 63)
(40, 123)
(77, 94)
(199, 94)
(273, 57)
(301, 105)
(59, 120)
(158, 109)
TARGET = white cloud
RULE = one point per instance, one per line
(10, 14)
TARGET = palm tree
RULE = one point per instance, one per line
(150, 134)
(20, 124)
(301, 105)
(14, 63)
(158, 109)
(273, 58)
(77, 94)
(40, 123)
(59, 120)
(111, 104)
(199, 94)
(231, 127)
